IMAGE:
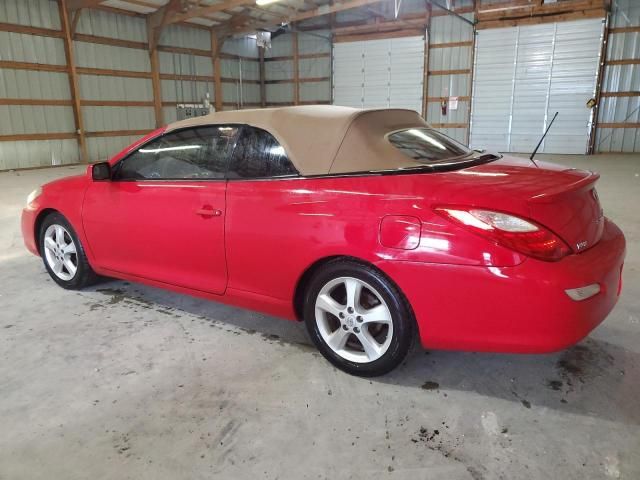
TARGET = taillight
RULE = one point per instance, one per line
(524, 236)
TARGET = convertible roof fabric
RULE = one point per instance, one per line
(323, 139)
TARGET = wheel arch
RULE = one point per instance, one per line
(44, 213)
(305, 278)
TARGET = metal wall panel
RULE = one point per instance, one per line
(183, 64)
(98, 119)
(279, 93)
(315, 92)
(34, 13)
(21, 47)
(107, 24)
(39, 153)
(318, 41)
(278, 70)
(185, 37)
(97, 87)
(24, 119)
(95, 55)
(101, 149)
(379, 73)
(244, 46)
(32, 84)
(185, 92)
(525, 74)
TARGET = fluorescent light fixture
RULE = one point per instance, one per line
(265, 2)
(170, 149)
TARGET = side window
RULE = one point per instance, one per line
(258, 155)
(197, 153)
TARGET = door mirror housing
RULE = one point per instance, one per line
(101, 171)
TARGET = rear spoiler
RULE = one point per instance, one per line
(551, 195)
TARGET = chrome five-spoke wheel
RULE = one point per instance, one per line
(60, 252)
(354, 320)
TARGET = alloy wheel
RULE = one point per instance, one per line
(354, 320)
(60, 252)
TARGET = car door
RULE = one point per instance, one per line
(161, 216)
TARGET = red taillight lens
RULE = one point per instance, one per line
(516, 233)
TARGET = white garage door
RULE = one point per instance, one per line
(523, 75)
(379, 73)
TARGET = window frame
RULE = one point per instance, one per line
(118, 164)
(263, 178)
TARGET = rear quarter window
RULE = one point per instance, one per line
(427, 146)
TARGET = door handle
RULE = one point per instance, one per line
(208, 211)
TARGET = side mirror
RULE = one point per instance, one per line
(101, 171)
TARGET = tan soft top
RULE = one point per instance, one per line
(321, 139)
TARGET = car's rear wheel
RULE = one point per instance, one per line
(358, 318)
(63, 254)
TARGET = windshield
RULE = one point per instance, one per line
(427, 146)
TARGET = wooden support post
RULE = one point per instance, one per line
(596, 109)
(157, 87)
(73, 79)
(74, 21)
(425, 79)
(263, 87)
(296, 70)
(476, 4)
(216, 47)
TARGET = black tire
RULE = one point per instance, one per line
(402, 318)
(84, 274)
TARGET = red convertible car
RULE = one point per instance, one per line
(368, 225)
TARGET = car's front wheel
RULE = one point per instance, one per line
(358, 318)
(63, 254)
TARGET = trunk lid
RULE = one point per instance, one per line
(560, 198)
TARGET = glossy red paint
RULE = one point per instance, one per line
(249, 242)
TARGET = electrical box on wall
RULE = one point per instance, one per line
(189, 110)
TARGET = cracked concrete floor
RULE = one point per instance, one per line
(127, 381)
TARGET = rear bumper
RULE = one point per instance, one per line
(521, 309)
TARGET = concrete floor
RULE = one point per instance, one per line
(126, 381)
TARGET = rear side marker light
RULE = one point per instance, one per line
(583, 293)
(510, 231)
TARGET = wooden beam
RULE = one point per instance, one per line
(114, 42)
(263, 88)
(78, 4)
(158, 19)
(118, 133)
(595, 112)
(156, 86)
(464, 71)
(633, 29)
(425, 61)
(116, 103)
(25, 137)
(75, 20)
(301, 56)
(619, 125)
(43, 32)
(451, 44)
(465, 98)
(377, 36)
(625, 61)
(296, 69)
(293, 80)
(42, 67)
(35, 101)
(216, 47)
(73, 78)
(619, 94)
(105, 72)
